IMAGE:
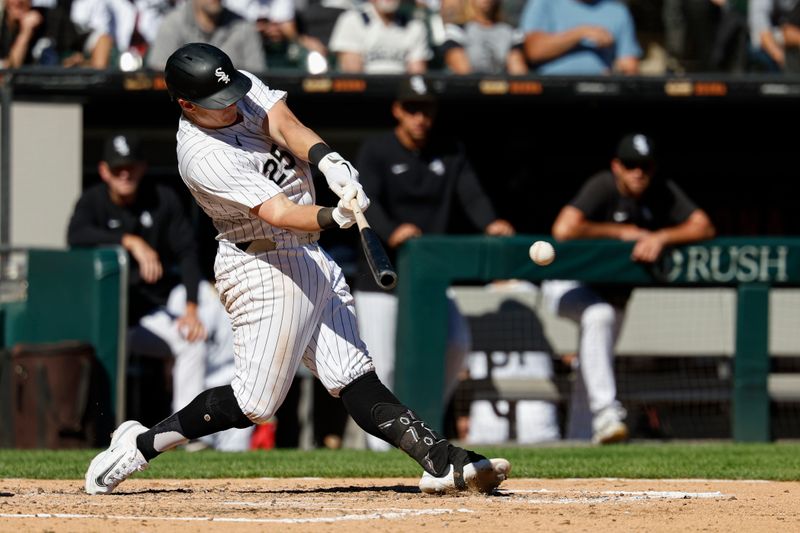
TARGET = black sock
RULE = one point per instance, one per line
(211, 411)
(360, 395)
(378, 412)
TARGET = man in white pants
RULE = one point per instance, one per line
(629, 202)
(245, 157)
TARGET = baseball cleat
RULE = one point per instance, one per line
(483, 475)
(608, 426)
(114, 465)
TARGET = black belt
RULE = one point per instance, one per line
(257, 246)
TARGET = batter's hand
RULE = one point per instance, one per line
(354, 190)
(339, 173)
(402, 233)
(190, 326)
(343, 216)
(146, 257)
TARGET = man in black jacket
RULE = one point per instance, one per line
(415, 182)
(148, 220)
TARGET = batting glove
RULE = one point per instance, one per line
(354, 190)
(339, 173)
(344, 217)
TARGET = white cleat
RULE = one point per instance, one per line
(114, 465)
(483, 475)
(608, 426)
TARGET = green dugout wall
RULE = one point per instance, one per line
(80, 295)
(427, 266)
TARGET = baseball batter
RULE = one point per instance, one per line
(245, 158)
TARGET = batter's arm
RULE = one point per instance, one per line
(283, 127)
(281, 212)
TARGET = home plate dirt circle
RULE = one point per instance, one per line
(370, 505)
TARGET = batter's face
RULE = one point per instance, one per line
(633, 179)
(210, 118)
(414, 120)
(123, 181)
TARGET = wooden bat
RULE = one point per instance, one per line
(382, 269)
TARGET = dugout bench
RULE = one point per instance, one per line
(429, 265)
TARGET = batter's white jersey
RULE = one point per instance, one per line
(288, 304)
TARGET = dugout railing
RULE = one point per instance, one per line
(751, 267)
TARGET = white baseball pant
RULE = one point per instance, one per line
(287, 305)
(600, 324)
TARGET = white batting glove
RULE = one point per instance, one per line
(354, 190)
(344, 217)
(339, 173)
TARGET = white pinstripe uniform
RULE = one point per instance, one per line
(288, 304)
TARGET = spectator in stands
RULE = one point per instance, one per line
(690, 27)
(133, 24)
(47, 36)
(631, 202)
(377, 38)
(765, 19)
(148, 220)
(591, 37)
(208, 21)
(316, 22)
(483, 43)
(415, 182)
(275, 21)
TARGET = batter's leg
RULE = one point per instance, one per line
(338, 357)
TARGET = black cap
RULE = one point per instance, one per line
(121, 149)
(636, 148)
(204, 75)
(415, 89)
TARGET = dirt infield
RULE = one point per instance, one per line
(396, 505)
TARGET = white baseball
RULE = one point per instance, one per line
(542, 253)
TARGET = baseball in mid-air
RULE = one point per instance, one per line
(542, 253)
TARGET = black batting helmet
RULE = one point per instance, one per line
(204, 75)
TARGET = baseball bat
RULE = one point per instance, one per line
(379, 264)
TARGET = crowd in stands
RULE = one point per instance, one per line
(515, 37)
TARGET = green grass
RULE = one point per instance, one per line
(712, 461)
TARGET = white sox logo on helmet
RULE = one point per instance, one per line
(221, 76)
